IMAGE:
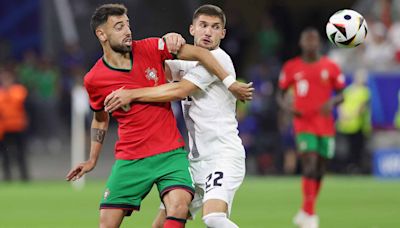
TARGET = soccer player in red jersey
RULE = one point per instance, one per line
(314, 78)
(150, 148)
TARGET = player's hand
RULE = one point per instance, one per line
(294, 112)
(242, 91)
(327, 108)
(174, 41)
(80, 170)
(117, 99)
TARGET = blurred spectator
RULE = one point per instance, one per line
(14, 121)
(46, 102)
(236, 38)
(264, 108)
(354, 121)
(288, 138)
(268, 38)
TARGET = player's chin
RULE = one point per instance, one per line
(207, 45)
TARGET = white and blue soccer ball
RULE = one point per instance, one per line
(346, 28)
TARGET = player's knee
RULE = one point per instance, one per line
(310, 170)
(111, 218)
(218, 220)
(178, 209)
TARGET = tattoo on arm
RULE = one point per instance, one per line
(98, 135)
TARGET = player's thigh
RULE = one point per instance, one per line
(221, 178)
(173, 173)
(327, 146)
(307, 142)
(129, 182)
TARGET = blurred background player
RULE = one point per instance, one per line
(314, 78)
(150, 147)
(14, 123)
(217, 156)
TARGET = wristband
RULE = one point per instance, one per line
(228, 81)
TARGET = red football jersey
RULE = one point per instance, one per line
(144, 129)
(313, 84)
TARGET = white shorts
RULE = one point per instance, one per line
(215, 179)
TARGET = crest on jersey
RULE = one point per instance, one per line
(324, 75)
(151, 74)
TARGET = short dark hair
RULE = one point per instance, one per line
(210, 10)
(102, 13)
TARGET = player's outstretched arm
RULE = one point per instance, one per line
(163, 93)
(327, 108)
(242, 91)
(98, 131)
(283, 104)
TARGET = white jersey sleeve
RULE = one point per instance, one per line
(179, 68)
(201, 77)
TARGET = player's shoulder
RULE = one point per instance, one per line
(96, 68)
(220, 52)
(325, 59)
(290, 63)
(222, 56)
(148, 42)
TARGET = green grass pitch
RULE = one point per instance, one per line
(261, 202)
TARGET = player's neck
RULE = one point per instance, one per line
(310, 57)
(117, 60)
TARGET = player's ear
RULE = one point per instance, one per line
(223, 34)
(191, 30)
(101, 35)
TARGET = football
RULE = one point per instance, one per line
(346, 28)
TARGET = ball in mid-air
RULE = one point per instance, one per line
(346, 28)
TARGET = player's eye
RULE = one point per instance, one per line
(119, 27)
(216, 27)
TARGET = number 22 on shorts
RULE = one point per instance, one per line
(214, 180)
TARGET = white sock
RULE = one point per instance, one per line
(218, 220)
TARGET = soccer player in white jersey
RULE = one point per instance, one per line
(217, 155)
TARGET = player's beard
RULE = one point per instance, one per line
(121, 48)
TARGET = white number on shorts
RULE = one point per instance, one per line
(212, 180)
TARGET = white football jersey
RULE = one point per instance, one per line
(210, 113)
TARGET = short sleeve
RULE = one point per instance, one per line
(96, 100)
(285, 78)
(163, 50)
(338, 79)
(200, 77)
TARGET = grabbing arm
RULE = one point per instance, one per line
(241, 91)
(163, 93)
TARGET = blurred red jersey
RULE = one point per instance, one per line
(314, 84)
(144, 129)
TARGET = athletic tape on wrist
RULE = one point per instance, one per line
(228, 81)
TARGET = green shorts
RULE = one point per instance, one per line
(323, 145)
(131, 180)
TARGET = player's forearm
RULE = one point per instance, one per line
(97, 134)
(280, 99)
(338, 98)
(164, 93)
(204, 56)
